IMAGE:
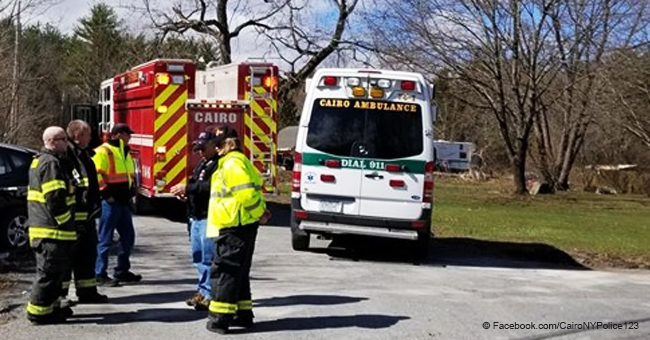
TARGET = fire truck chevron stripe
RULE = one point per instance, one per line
(166, 93)
(174, 102)
(265, 118)
(269, 101)
(176, 172)
(177, 144)
(175, 125)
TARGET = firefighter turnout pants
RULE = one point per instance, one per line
(230, 271)
(53, 261)
(83, 262)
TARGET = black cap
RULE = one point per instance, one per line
(226, 132)
(120, 127)
(204, 138)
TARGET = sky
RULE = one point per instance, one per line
(65, 15)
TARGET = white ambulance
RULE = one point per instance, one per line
(364, 157)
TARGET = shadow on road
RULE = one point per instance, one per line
(153, 298)
(453, 251)
(167, 315)
(368, 321)
(317, 300)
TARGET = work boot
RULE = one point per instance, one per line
(202, 304)
(92, 297)
(57, 316)
(243, 319)
(128, 277)
(105, 280)
(219, 324)
(194, 299)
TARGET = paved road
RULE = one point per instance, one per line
(338, 294)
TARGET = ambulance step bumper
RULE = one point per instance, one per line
(335, 228)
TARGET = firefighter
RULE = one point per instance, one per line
(235, 210)
(116, 177)
(52, 234)
(87, 202)
(197, 194)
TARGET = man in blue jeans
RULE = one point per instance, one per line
(197, 195)
(116, 175)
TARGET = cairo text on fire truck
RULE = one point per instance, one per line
(368, 105)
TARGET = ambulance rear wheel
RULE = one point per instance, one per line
(299, 238)
(421, 250)
(299, 242)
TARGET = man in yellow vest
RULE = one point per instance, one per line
(116, 177)
(235, 210)
(52, 233)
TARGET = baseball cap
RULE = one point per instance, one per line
(204, 138)
(227, 132)
(120, 127)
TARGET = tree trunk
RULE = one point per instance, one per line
(518, 164)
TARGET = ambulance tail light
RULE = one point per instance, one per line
(418, 225)
(333, 163)
(353, 82)
(297, 172)
(408, 85)
(328, 178)
(358, 91)
(396, 183)
(377, 92)
(300, 214)
(163, 78)
(393, 168)
(330, 81)
(427, 194)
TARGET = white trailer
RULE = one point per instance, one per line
(453, 156)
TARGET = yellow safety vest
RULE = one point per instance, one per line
(113, 166)
(235, 194)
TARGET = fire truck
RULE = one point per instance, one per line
(168, 103)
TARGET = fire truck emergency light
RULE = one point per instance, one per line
(269, 82)
(162, 78)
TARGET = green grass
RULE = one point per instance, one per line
(615, 226)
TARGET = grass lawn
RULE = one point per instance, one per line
(596, 229)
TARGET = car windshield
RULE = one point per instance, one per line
(366, 129)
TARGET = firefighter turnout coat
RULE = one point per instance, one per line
(51, 198)
(236, 198)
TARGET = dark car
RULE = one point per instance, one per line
(14, 172)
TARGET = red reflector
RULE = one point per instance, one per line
(408, 85)
(300, 214)
(333, 163)
(328, 178)
(396, 183)
(393, 168)
(330, 81)
(418, 224)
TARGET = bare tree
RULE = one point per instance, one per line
(289, 29)
(531, 64)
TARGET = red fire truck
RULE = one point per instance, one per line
(167, 102)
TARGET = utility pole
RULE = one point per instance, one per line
(14, 114)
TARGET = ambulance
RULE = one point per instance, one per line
(364, 157)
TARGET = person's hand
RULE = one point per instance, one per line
(178, 190)
(265, 217)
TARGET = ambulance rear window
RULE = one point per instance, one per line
(367, 129)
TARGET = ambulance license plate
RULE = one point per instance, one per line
(331, 206)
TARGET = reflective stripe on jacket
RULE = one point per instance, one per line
(113, 165)
(51, 198)
(235, 194)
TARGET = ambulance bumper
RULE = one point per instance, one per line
(335, 228)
